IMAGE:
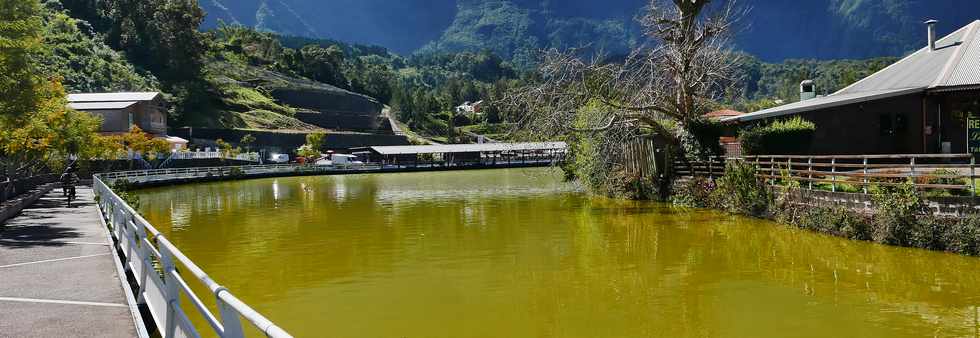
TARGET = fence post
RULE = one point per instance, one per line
(789, 169)
(973, 174)
(865, 178)
(772, 170)
(230, 320)
(711, 170)
(170, 291)
(809, 172)
(912, 169)
(833, 176)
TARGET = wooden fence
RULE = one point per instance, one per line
(953, 172)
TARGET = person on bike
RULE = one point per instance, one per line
(68, 181)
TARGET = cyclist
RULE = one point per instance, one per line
(68, 181)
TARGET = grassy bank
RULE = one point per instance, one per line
(899, 215)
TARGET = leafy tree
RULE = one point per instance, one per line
(48, 135)
(140, 142)
(314, 142)
(323, 64)
(226, 149)
(20, 41)
(36, 127)
(247, 141)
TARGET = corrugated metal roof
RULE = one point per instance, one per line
(954, 63)
(113, 97)
(967, 71)
(921, 69)
(468, 148)
(823, 102)
(100, 105)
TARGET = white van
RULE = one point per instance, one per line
(279, 158)
(344, 160)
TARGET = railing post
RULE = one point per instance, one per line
(230, 320)
(865, 178)
(833, 176)
(809, 172)
(170, 291)
(912, 169)
(973, 174)
(711, 174)
(772, 170)
(789, 169)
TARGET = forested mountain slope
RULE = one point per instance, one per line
(773, 30)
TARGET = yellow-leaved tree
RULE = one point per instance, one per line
(37, 129)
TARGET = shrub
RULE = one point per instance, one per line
(628, 186)
(700, 138)
(124, 189)
(963, 235)
(895, 214)
(695, 192)
(944, 177)
(741, 191)
(785, 137)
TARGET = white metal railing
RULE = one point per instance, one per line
(153, 261)
(192, 155)
(157, 175)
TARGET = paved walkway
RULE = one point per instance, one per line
(58, 277)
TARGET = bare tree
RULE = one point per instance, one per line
(667, 83)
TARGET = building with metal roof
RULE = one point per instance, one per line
(113, 97)
(469, 148)
(920, 104)
(120, 112)
(468, 154)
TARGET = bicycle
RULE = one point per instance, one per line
(68, 182)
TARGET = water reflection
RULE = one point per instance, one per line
(518, 253)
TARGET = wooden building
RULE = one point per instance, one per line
(922, 104)
(122, 111)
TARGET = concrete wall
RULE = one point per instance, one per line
(288, 142)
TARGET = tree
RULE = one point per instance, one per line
(20, 41)
(37, 130)
(49, 135)
(314, 142)
(661, 87)
(227, 150)
(247, 141)
(323, 64)
(140, 142)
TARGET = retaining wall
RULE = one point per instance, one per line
(941, 206)
(13, 206)
(290, 141)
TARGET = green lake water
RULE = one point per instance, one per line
(518, 253)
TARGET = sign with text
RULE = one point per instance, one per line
(973, 132)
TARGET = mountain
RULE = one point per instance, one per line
(773, 30)
(403, 25)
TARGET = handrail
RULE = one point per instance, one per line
(161, 286)
(830, 168)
